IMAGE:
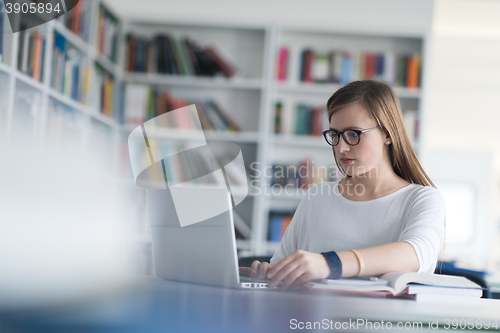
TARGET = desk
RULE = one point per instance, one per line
(155, 305)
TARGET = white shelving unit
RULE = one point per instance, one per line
(290, 149)
(31, 106)
(244, 96)
(249, 97)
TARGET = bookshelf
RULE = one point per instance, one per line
(240, 93)
(294, 91)
(46, 85)
(95, 115)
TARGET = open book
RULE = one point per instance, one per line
(396, 283)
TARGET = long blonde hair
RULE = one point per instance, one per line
(384, 106)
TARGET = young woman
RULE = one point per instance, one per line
(385, 214)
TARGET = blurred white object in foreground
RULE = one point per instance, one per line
(58, 229)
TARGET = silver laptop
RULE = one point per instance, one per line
(204, 252)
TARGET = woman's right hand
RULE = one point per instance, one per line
(259, 269)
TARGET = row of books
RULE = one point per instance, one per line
(189, 167)
(143, 102)
(31, 53)
(304, 119)
(78, 20)
(195, 166)
(107, 33)
(299, 119)
(71, 74)
(301, 175)
(338, 66)
(166, 54)
(105, 84)
(278, 222)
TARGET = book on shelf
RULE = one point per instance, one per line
(320, 68)
(299, 119)
(166, 54)
(342, 66)
(78, 20)
(104, 90)
(197, 166)
(306, 65)
(211, 107)
(58, 61)
(300, 176)
(282, 64)
(413, 71)
(278, 222)
(107, 33)
(410, 284)
(71, 75)
(142, 102)
(30, 53)
(226, 69)
(278, 114)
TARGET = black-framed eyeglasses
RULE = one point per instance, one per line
(351, 136)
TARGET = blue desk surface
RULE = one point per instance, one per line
(155, 305)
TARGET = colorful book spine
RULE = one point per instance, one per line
(346, 68)
(37, 65)
(105, 89)
(107, 34)
(77, 20)
(402, 63)
(166, 54)
(275, 228)
(309, 120)
(278, 110)
(142, 103)
(308, 63)
(225, 68)
(413, 76)
(30, 53)
(299, 119)
(342, 67)
(278, 223)
(59, 51)
(282, 63)
(69, 74)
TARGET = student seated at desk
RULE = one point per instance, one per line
(385, 214)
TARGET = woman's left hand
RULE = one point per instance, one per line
(298, 268)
